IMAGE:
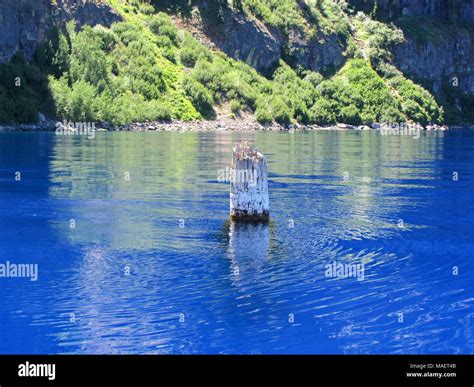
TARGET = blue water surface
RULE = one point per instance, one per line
(135, 252)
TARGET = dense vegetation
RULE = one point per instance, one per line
(145, 68)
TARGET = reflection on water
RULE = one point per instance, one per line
(248, 250)
(152, 264)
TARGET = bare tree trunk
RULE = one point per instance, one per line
(249, 184)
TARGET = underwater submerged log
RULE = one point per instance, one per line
(249, 184)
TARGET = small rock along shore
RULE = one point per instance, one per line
(207, 125)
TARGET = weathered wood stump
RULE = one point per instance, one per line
(249, 185)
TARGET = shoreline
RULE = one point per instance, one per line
(215, 125)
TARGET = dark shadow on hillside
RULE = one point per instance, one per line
(24, 92)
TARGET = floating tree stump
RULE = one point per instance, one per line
(249, 185)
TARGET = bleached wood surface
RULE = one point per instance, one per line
(249, 184)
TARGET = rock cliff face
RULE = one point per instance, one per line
(25, 23)
(435, 61)
(443, 10)
(439, 62)
(248, 39)
(262, 47)
(321, 53)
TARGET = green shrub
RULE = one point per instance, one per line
(349, 115)
(313, 77)
(191, 51)
(107, 37)
(417, 103)
(199, 96)
(127, 32)
(413, 110)
(160, 111)
(188, 56)
(161, 24)
(225, 81)
(180, 105)
(321, 113)
(54, 55)
(147, 9)
(280, 111)
(298, 94)
(61, 94)
(88, 60)
(284, 14)
(392, 114)
(144, 78)
(263, 114)
(210, 75)
(83, 102)
(357, 84)
(379, 38)
(235, 106)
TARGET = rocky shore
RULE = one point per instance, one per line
(212, 125)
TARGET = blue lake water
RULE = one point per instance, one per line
(150, 264)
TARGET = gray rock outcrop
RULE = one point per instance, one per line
(443, 10)
(248, 39)
(25, 23)
(452, 56)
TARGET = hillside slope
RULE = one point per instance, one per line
(287, 61)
